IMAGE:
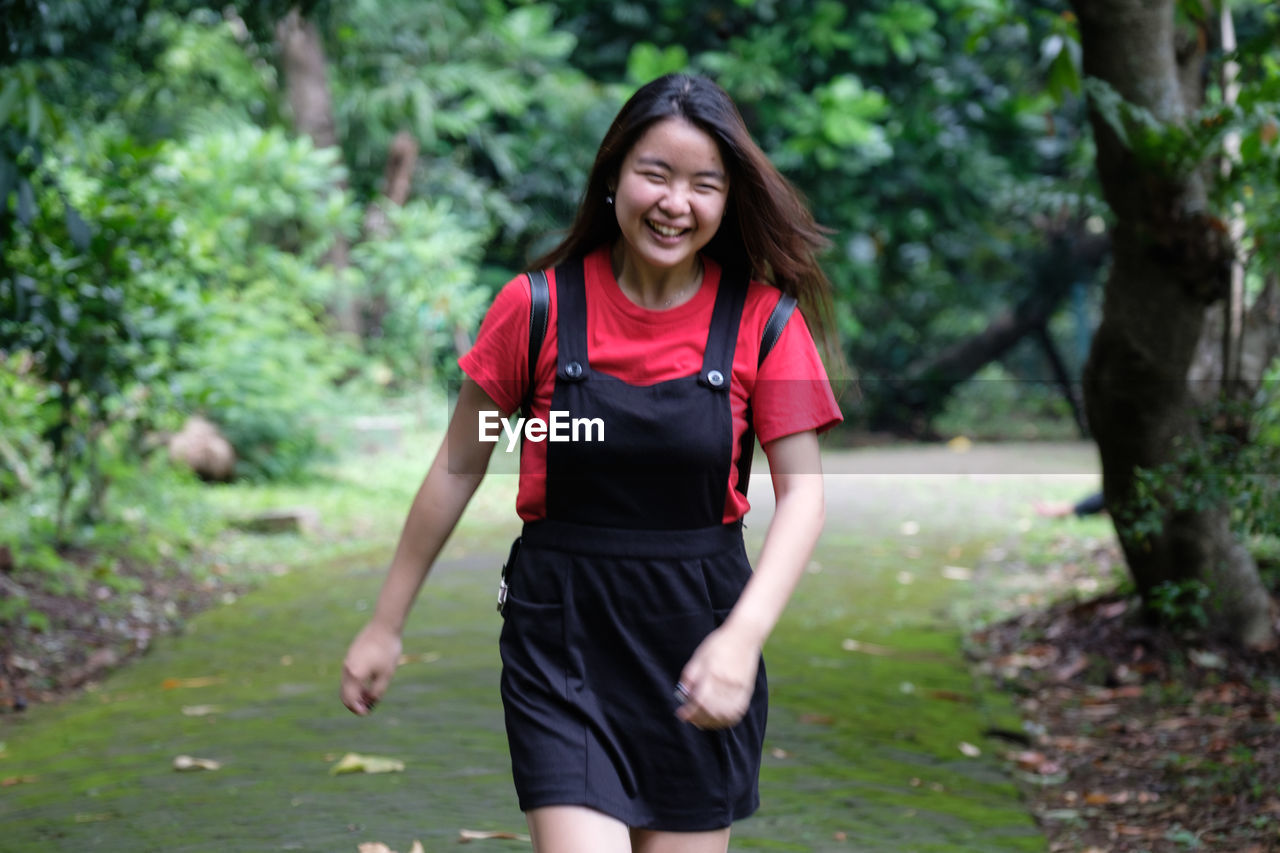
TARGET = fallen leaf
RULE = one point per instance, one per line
(93, 818)
(16, 780)
(205, 681)
(841, 836)
(465, 835)
(186, 762)
(950, 696)
(1134, 831)
(817, 719)
(1207, 660)
(355, 763)
(200, 710)
(1036, 762)
(425, 657)
(970, 750)
(865, 648)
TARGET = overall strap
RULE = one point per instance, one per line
(722, 337)
(539, 310)
(571, 321)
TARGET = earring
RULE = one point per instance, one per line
(608, 199)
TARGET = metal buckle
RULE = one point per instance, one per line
(502, 594)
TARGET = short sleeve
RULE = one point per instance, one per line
(499, 361)
(792, 392)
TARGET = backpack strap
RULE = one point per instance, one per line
(539, 312)
(772, 331)
(777, 322)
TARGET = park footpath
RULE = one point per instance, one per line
(229, 737)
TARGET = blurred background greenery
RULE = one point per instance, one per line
(281, 215)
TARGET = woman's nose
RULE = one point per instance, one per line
(676, 200)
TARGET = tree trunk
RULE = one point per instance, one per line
(1171, 260)
(402, 159)
(302, 61)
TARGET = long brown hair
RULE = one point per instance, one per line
(767, 224)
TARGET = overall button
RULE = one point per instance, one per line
(573, 370)
(716, 378)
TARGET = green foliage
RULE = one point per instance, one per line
(253, 205)
(22, 421)
(255, 212)
(1225, 469)
(995, 405)
(923, 133)
(423, 275)
(1181, 605)
(504, 122)
(649, 62)
(89, 305)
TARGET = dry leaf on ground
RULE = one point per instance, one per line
(187, 762)
(204, 681)
(465, 835)
(355, 763)
(379, 847)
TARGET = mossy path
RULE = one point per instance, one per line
(871, 698)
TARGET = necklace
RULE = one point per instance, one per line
(673, 298)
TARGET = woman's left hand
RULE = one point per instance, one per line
(719, 680)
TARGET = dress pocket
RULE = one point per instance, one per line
(532, 647)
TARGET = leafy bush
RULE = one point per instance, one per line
(256, 212)
(92, 307)
(997, 405)
(22, 420)
(423, 277)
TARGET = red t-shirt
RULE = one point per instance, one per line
(789, 393)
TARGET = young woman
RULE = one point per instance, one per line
(632, 680)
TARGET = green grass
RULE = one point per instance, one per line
(862, 753)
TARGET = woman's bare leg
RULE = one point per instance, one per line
(576, 829)
(652, 841)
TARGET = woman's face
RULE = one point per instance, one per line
(670, 195)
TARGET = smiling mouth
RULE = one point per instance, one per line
(664, 230)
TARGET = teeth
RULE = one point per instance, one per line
(664, 230)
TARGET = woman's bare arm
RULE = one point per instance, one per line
(721, 674)
(455, 473)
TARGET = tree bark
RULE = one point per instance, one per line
(402, 159)
(1170, 261)
(305, 70)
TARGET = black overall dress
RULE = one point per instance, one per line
(611, 594)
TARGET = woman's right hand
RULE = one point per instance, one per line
(366, 672)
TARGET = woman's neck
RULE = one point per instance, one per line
(652, 287)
